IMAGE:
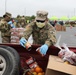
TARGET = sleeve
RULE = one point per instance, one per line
(51, 36)
(3, 27)
(27, 31)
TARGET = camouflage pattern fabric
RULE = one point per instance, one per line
(18, 25)
(21, 22)
(6, 39)
(45, 35)
(5, 31)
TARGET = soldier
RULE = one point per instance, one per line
(5, 28)
(43, 33)
(23, 22)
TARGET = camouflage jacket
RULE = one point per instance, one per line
(45, 35)
(5, 28)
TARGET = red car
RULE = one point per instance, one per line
(13, 58)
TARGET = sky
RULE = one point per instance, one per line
(57, 8)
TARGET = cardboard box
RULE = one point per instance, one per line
(58, 27)
(15, 34)
(57, 67)
(63, 28)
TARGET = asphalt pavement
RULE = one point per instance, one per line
(68, 36)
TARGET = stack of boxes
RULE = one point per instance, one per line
(60, 27)
(16, 33)
(56, 66)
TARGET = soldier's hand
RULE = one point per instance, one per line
(23, 41)
(10, 22)
(43, 49)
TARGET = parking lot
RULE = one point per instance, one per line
(68, 36)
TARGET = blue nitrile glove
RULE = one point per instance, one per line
(43, 49)
(23, 41)
(10, 22)
(12, 26)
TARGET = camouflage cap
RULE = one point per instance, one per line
(41, 15)
(7, 14)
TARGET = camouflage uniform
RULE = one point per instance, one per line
(41, 30)
(23, 22)
(45, 35)
(5, 31)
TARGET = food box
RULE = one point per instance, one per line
(15, 34)
(63, 28)
(58, 27)
(57, 67)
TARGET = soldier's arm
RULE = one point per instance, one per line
(51, 36)
(3, 27)
(27, 31)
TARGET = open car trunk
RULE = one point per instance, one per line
(42, 61)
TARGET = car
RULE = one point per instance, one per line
(13, 57)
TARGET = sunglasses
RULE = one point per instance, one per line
(40, 21)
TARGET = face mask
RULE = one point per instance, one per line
(40, 25)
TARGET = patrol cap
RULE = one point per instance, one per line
(7, 14)
(41, 15)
